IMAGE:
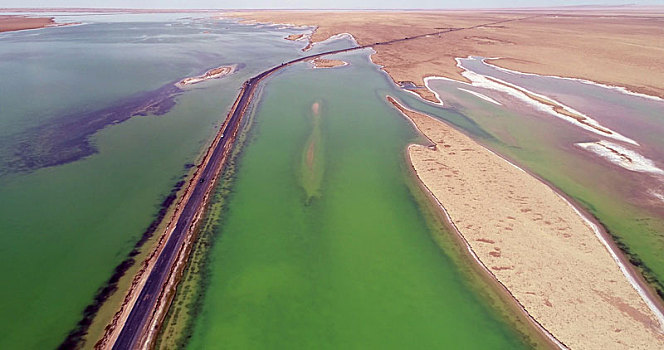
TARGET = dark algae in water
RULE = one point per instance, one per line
(66, 138)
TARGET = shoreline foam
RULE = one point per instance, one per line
(621, 156)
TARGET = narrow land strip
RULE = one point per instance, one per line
(535, 243)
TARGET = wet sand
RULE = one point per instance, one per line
(534, 243)
(612, 46)
(12, 23)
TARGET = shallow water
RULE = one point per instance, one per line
(356, 266)
(64, 229)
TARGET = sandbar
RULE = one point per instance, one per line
(549, 257)
(612, 46)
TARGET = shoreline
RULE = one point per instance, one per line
(635, 280)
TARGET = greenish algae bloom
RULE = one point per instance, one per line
(355, 267)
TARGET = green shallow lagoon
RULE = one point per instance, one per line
(356, 266)
(64, 229)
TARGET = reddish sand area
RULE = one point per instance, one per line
(12, 23)
(551, 259)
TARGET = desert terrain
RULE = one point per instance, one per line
(623, 48)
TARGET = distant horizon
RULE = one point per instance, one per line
(321, 4)
(590, 6)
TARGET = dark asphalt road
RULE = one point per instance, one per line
(143, 309)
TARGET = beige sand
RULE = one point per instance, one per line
(533, 242)
(11, 23)
(615, 47)
(325, 63)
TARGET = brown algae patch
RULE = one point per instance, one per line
(549, 258)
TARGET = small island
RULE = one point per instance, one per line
(294, 37)
(10, 23)
(325, 63)
(215, 73)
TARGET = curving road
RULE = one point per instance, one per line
(143, 311)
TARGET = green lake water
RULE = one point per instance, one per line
(64, 229)
(357, 265)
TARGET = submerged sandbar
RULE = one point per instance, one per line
(534, 242)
